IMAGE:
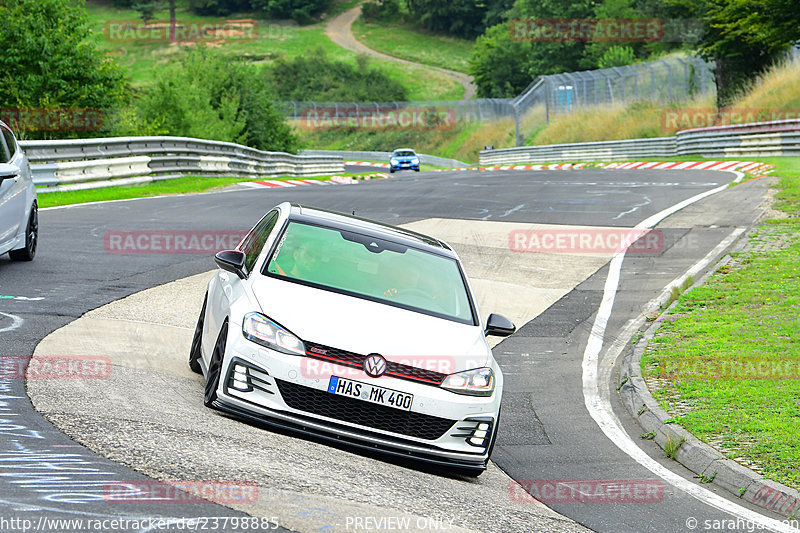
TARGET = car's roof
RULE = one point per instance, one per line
(405, 150)
(375, 229)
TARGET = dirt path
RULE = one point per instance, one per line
(339, 29)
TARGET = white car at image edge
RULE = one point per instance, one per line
(19, 219)
(353, 331)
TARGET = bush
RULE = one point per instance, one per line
(617, 56)
(382, 10)
(302, 11)
(218, 7)
(318, 78)
(208, 95)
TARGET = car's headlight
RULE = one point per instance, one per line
(478, 382)
(260, 329)
(415, 161)
(394, 161)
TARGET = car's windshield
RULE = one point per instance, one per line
(371, 268)
(404, 153)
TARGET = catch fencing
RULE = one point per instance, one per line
(668, 80)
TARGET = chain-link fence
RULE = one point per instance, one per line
(667, 80)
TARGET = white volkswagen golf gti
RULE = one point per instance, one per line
(19, 220)
(354, 331)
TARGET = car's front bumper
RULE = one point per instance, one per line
(291, 392)
(404, 165)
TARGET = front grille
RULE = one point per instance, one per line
(323, 403)
(397, 370)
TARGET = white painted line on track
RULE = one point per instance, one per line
(599, 404)
(16, 322)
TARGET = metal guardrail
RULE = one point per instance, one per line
(384, 157)
(758, 139)
(591, 151)
(93, 163)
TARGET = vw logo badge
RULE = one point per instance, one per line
(375, 365)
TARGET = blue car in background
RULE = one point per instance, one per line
(404, 158)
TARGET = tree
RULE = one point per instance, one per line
(463, 18)
(500, 64)
(209, 95)
(50, 60)
(302, 11)
(218, 7)
(147, 11)
(743, 37)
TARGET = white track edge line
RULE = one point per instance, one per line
(600, 409)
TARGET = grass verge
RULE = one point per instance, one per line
(160, 188)
(726, 362)
(407, 41)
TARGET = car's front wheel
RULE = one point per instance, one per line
(194, 352)
(215, 367)
(31, 238)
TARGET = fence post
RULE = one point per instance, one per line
(547, 101)
(686, 86)
(669, 79)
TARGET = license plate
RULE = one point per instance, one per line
(370, 393)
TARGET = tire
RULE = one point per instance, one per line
(416, 170)
(391, 170)
(194, 352)
(31, 238)
(215, 368)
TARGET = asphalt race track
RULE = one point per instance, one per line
(547, 433)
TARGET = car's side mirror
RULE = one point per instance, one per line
(499, 326)
(8, 171)
(231, 261)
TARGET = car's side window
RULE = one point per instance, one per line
(10, 143)
(255, 240)
(5, 156)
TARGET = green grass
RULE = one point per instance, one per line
(174, 186)
(746, 315)
(406, 41)
(275, 39)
